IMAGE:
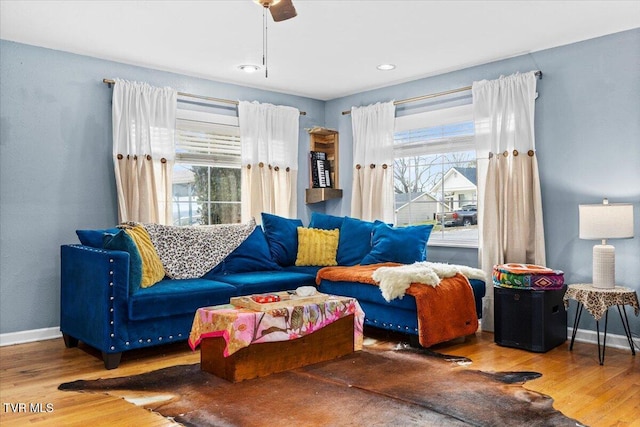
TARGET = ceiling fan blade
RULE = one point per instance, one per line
(283, 11)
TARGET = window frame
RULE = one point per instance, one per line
(207, 122)
(434, 118)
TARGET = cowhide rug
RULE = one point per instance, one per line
(399, 387)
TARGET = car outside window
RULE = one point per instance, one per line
(435, 175)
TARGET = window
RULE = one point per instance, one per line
(206, 175)
(435, 176)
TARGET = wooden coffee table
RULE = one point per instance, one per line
(284, 340)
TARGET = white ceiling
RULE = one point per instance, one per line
(331, 49)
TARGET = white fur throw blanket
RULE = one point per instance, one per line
(394, 281)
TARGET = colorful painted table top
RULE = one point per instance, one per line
(241, 327)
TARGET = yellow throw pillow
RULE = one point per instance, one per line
(152, 269)
(317, 247)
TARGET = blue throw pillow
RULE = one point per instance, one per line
(355, 241)
(95, 238)
(121, 241)
(252, 255)
(325, 222)
(405, 245)
(282, 237)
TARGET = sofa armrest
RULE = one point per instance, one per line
(94, 294)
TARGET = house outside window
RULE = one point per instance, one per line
(206, 174)
(435, 179)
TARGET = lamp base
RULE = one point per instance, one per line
(604, 266)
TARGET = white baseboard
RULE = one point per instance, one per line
(582, 335)
(591, 337)
(29, 336)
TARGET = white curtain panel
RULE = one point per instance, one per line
(269, 141)
(144, 120)
(510, 204)
(372, 187)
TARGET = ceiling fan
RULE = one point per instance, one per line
(281, 10)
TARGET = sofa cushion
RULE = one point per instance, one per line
(405, 245)
(252, 255)
(325, 222)
(317, 247)
(152, 269)
(121, 241)
(171, 297)
(479, 291)
(311, 270)
(266, 281)
(365, 292)
(282, 236)
(355, 241)
(95, 238)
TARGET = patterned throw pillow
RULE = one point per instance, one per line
(317, 247)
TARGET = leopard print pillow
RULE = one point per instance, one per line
(190, 252)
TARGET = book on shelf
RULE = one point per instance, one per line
(318, 155)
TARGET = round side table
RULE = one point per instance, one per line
(597, 301)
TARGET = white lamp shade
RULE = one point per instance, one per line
(606, 221)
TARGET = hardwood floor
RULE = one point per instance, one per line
(595, 395)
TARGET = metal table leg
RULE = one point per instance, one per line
(576, 320)
(604, 342)
(627, 328)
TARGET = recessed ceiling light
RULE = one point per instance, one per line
(249, 68)
(386, 67)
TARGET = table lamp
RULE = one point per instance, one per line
(602, 222)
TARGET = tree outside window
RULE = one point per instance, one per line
(206, 176)
(435, 176)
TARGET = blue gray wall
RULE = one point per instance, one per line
(587, 128)
(56, 173)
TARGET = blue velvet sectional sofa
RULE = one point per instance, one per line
(101, 308)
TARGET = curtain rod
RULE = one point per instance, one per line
(190, 95)
(435, 95)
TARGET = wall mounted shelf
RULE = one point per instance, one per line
(325, 141)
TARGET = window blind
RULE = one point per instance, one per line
(210, 144)
(435, 132)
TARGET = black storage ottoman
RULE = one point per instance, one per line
(530, 320)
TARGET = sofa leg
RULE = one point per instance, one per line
(69, 341)
(111, 360)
